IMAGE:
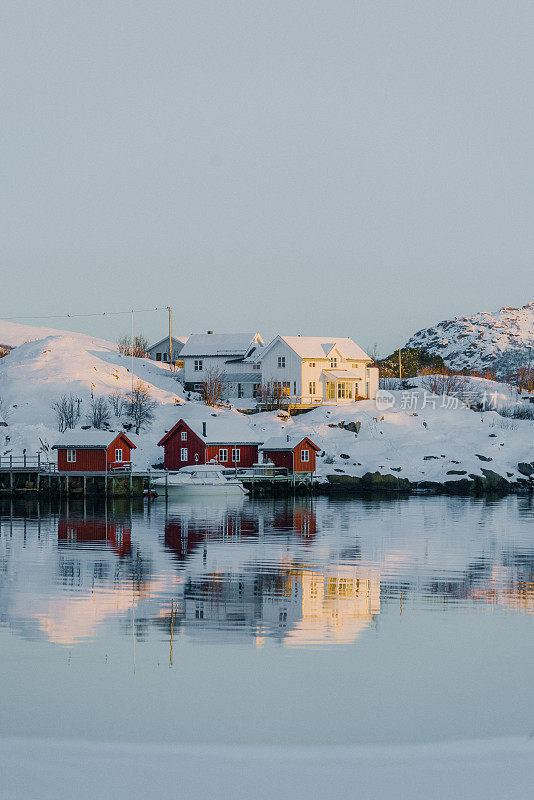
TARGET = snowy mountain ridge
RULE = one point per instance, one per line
(477, 341)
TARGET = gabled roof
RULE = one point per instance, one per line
(90, 440)
(342, 374)
(181, 340)
(231, 345)
(219, 430)
(319, 347)
(288, 442)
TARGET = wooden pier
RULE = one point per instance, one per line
(20, 474)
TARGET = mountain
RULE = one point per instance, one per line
(477, 342)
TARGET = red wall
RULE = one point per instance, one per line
(173, 445)
(291, 459)
(304, 466)
(86, 461)
(116, 535)
(248, 453)
(126, 452)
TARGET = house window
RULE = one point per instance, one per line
(344, 390)
(165, 356)
(118, 454)
(240, 391)
(354, 366)
(312, 363)
(256, 366)
(71, 456)
(183, 454)
(281, 362)
(330, 390)
(183, 436)
(158, 356)
(333, 363)
(198, 365)
(223, 454)
(281, 389)
(236, 455)
(197, 387)
(312, 387)
(256, 389)
(305, 455)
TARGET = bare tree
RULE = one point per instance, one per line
(273, 396)
(442, 383)
(98, 415)
(141, 410)
(67, 411)
(140, 346)
(118, 403)
(4, 350)
(213, 387)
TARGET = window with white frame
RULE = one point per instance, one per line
(118, 454)
(354, 366)
(333, 362)
(236, 455)
(281, 362)
(183, 454)
(183, 436)
(305, 455)
(71, 456)
(223, 454)
(312, 363)
(256, 366)
(312, 387)
(198, 365)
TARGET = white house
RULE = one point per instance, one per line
(316, 369)
(161, 350)
(231, 355)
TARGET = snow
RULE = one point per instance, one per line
(473, 770)
(320, 346)
(424, 441)
(287, 442)
(90, 439)
(476, 341)
(220, 344)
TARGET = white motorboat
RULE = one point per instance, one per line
(205, 479)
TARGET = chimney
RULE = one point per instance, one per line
(208, 332)
(204, 429)
(287, 436)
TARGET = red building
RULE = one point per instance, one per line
(100, 532)
(294, 453)
(224, 440)
(94, 451)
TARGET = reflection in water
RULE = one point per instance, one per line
(301, 572)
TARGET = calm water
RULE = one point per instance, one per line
(313, 622)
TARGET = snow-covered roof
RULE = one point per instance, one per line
(321, 346)
(221, 344)
(341, 374)
(181, 340)
(223, 429)
(288, 442)
(88, 440)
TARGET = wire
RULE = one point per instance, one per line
(94, 314)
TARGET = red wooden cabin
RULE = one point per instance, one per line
(192, 442)
(294, 453)
(94, 451)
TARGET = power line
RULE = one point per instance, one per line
(93, 314)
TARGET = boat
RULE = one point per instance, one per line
(204, 479)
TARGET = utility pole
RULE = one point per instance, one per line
(132, 352)
(170, 337)
(400, 364)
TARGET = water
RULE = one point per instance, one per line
(268, 622)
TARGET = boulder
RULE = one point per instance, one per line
(483, 458)
(456, 472)
(525, 468)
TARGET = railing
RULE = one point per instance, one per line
(124, 466)
(36, 463)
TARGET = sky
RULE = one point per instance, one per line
(356, 169)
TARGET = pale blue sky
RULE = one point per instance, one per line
(362, 169)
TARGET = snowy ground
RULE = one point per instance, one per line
(479, 770)
(418, 437)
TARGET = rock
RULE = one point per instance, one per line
(339, 470)
(343, 455)
(456, 472)
(492, 480)
(332, 425)
(430, 458)
(454, 462)
(510, 474)
(369, 482)
(493, 436)
(396, 469)
(354, 427)
(483, 458)
(525, 468)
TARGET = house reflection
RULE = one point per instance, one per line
(98, 532)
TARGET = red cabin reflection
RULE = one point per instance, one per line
(113, 534)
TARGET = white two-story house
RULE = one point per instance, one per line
(316, 369)
(230, 355)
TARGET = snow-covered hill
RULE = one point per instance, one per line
(477, 341)
(411, 436)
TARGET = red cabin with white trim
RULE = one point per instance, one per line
(189, 443)
(94, 451)
(294, 453)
